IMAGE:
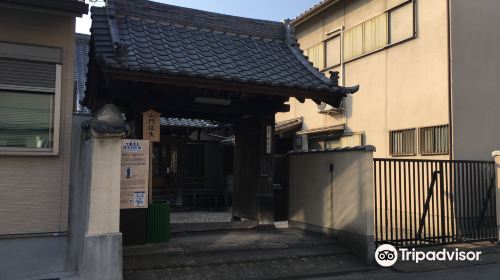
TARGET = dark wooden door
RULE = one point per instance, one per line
(280, 187)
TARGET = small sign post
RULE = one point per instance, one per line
(151, 125)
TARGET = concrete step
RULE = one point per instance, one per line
(270, 264)
(194, 227)
(231, 240)
(203, 258)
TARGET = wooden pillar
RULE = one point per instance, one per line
(253, 195)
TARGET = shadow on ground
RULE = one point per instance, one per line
(240, 254)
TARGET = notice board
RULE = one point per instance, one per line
(134, 179)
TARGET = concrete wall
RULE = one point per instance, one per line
(35, 189)
(403, 86)
(339, 202)
(25, 257)
(475, 78)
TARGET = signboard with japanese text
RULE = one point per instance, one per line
(134, 179)
(151, 126)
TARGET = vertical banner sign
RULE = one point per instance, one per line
(151, 126)
(134, 179)
(269, 138)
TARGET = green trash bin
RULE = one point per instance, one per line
(158, 222)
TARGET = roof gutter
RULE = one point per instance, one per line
(313, 12)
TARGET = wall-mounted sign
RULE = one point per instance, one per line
(151, 126)
(134, 179)
(269, 139)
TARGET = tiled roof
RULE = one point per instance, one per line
(146, 36)
(190, 123)
(80, 69)
(284, 126)
(367, 148)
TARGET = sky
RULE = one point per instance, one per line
(276, 10)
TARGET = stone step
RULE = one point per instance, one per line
(298, 263)
(202, 258)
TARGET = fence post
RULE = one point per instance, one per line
(496, 156)
(442, 202)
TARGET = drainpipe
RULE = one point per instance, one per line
(450, 84)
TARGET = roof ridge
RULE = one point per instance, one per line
(205, 29)
(182, 15)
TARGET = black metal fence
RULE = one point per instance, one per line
(430, 202)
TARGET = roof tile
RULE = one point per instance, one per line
(175, 40)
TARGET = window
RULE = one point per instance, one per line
(29, 99)
(353, 140)
(27, 120)
(344, 141)
(393, 26)
(402, 142)
(434, 140)
(333, 51)
(316, 55)
(375, 33)
(401, 23)
(353, 42)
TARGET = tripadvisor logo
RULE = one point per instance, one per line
(387, 255)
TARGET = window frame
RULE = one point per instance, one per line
(420, 140)
(389, 44)
(338, 34)
(415, 144)
(54, 151)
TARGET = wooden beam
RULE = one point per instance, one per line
(159, 78)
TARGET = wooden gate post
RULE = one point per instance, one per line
(496, 156)
(253, 196)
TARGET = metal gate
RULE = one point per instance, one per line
(431, 202)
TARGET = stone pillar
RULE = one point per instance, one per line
(253, 196)
(101, 256)
(496, 156)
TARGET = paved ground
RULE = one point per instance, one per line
(283, 254)
(487, 272)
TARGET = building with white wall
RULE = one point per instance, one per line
(427, 70)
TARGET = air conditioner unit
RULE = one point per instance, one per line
(324, 108)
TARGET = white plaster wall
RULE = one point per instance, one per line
(404, 86)
(342, 200)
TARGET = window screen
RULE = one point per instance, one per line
(434, 140)
(402, 142)
(316, 55)
(353, 42)
(375, 33)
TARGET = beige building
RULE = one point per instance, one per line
(427, 70)
(37, 41)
